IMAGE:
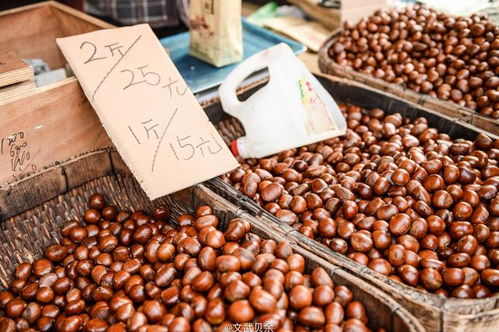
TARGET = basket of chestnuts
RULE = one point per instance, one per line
(448, 64)
(82, 248)
(407, 200)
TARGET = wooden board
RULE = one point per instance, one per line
(359, 4)
(30, 31)
(333, 18)
(16, 91)
(310, 33)
(53, 123)
(50, 126)
(13, 70)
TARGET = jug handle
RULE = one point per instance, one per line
(227, 90)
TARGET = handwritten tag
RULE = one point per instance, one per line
(153, 119)
(16, 153)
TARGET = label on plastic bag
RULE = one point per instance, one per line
(318, 117)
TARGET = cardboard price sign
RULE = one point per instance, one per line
(153, 119)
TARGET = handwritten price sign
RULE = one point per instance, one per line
(145, 106)
(16, 149)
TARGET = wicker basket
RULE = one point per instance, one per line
(31, 222)
(435, 313)
(329, 66)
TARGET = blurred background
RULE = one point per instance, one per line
(176, 8)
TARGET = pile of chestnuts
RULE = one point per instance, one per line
(394, 195)
(122, 271)
(452, 58)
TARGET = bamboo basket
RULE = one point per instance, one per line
(329, 66)
(435, 313)
(31, 219)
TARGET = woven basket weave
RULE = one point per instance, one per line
(33, 223)
(436, 313)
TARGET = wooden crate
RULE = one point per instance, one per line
(350, 10)
(35, 130)
(434, 312)
(30, 31)
(329, 66)
(30, 227)
(16, 78)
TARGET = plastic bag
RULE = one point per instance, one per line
(293, 109)
(216, 31)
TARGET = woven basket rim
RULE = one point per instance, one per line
(328, 66)
(219, 203)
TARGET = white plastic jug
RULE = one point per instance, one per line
(292, 110)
